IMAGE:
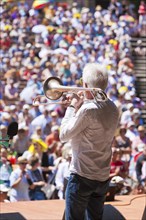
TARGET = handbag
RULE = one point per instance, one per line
(48, 189)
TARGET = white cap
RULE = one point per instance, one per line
(136, 111)
(26, 106)
(131, 93)
(55, 128)
(3, 188)
(3, 127)
(12, 107)
(127, 96)
(130, 105)
(130, 123)
(6, 115)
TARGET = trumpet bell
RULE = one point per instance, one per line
(50, 88)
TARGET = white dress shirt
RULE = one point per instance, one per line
(91, 132)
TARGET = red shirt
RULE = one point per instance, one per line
(116, 164)
(50, 139)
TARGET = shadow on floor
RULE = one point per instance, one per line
(12, 216)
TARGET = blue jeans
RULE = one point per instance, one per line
(85, 198)
(37, 195)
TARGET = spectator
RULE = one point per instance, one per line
(19, 183)
(136, 117)
(50, 161)
(60, 111)
(55, 118)
(140, 50)
(20, 142)
(131, 130)
(53, 136)
(13, 112)
(44, 121)
(24, 117)
(38, 133)
(3, 131)
(52, 154)
(117, 165)
(123, 143)
(35, 110)
(37, 147)
(127, 115)
(139, 139)
(11, 91)
(141, 171)
(37, 180)
(63, 171)
(6, 119)
(48, 71)
(132, 164)
(142, 12)
(5, 167)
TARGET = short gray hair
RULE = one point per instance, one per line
(95, 75)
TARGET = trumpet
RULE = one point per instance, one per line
(53, 90)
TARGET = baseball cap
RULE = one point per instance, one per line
(130, 123)
(26, 106)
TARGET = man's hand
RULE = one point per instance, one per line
(77, 99)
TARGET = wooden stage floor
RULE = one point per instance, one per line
(130, 207)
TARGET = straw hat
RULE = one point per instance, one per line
(98, 8)
(141, 128)
(40, 142)
(54, 114)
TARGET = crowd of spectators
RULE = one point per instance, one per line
(59, 41)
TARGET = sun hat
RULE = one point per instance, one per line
(40, 142)
(141, 128)
(54, 114)
(98, 8)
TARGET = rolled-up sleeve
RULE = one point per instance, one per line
(72, 124)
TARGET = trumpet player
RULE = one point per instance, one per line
(89, 125)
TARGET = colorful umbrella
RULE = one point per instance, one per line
(127, 18)
(38, 4)
(7, 1)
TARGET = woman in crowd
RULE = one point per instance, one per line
(123, 143)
